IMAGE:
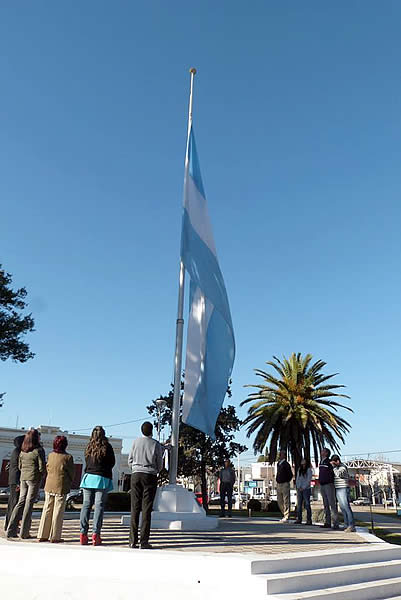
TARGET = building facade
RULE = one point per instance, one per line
(76, 447)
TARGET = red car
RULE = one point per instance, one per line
(198, 496)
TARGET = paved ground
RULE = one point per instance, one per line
(238, 535)
(383, 521)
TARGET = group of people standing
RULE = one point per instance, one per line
(334, 488)
(28, 467)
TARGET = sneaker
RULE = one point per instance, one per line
(146, 546)
(133, 545)
(96, 539)
(283, 520)
(83, 539)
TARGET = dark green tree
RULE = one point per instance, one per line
(198, 454)
(13, 324)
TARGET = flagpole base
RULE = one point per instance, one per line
(176, 508)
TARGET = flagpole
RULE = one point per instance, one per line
(175, 422)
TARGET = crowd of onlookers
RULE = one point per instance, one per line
(29, 465)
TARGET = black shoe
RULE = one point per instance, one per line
(134, 545)
(222, 514)
(230, 516)
(309, 522)
(10, 536)
(146, 546)
(297, 522)
(325, 526)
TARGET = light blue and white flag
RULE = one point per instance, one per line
(210, 340)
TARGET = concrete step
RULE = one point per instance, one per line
(382, 589)
(316, 579)
(326, 559)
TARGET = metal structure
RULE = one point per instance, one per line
(379, 473)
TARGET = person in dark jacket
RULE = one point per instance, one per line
(284, 477)
(31, 463)
(327, 489)
(227, 480)
(14, 475)
(96, 483)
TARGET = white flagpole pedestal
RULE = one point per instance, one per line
(176, 508)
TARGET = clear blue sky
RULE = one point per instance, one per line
(298, 121)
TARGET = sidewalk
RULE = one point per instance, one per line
(386, 522)
(236, 535)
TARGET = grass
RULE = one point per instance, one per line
(383, 534)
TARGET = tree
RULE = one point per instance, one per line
(13, 325)
(295, 411)
(262, 458)
(198, 454)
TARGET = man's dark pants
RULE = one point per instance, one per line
(226, 489)
(12, 502)
(143, 492)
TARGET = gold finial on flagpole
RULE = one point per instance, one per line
(192, 70)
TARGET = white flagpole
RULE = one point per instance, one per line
(175, 423)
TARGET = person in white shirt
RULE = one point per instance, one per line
(303, 485)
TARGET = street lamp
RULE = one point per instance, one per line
(160, 403)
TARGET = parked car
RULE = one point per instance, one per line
(74, 497)
(4, 494)
(199, 499)
(362, 501)
(41, 496)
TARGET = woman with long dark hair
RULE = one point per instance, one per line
(32, 467)
(303, 485)
(60, 474)
(96, 483)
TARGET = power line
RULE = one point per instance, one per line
(111, 425)
(369, 453)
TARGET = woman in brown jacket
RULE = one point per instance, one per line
(60, 474)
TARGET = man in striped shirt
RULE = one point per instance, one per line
(342, 491)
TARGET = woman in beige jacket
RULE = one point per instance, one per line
(60, 474)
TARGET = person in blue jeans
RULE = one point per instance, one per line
(96, 483)
(303, 486)
(342, 492)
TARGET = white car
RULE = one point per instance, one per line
(362, 501)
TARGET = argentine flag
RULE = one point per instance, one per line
(210, 339)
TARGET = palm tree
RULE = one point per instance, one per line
(295, 411)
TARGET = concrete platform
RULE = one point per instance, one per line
(256, 558)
